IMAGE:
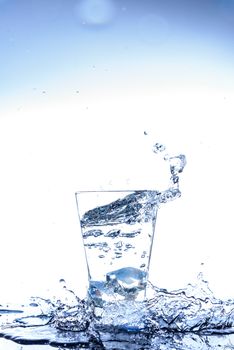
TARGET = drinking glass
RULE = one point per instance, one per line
(118, 232)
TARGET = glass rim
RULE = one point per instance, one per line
(114, 191)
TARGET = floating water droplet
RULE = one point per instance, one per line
(158, 147)
(177, 164)
(63, 283)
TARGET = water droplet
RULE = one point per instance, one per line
(177, 164)
(63, 283)
(33, 304)
(158, 147)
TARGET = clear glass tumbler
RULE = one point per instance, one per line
(118, 231)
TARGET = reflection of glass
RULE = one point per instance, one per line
(118, 230)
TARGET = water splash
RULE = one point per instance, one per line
(185, 319)
(172, 319)
(176, 164)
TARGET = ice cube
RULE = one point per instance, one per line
(127, 281)
(99, 291)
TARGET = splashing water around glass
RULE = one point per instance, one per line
(122, 308)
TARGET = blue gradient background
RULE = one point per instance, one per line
(80, 81)
(46, 44)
